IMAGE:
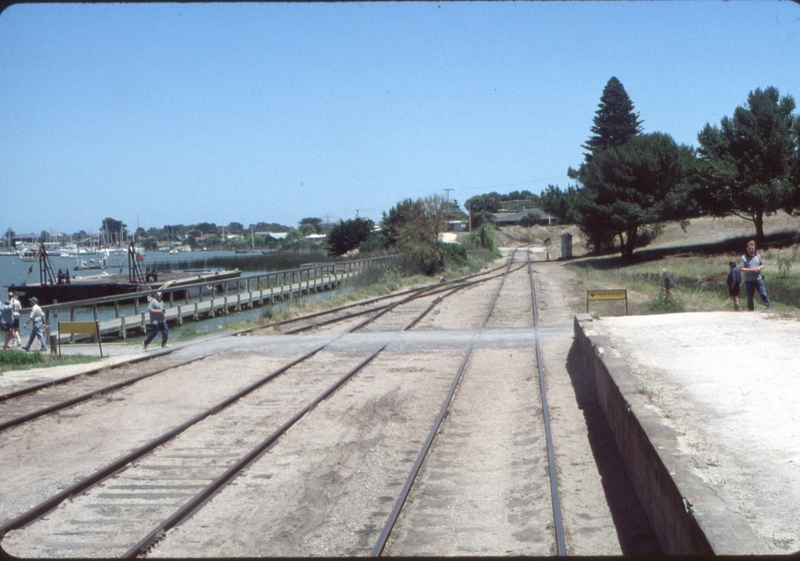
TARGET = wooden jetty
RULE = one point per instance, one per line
(131, 318)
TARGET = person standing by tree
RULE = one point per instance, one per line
(158, 321)
(751, 265)
(37, 317)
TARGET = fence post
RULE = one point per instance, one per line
(122, 330)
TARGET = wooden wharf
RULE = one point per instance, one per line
(132, 319)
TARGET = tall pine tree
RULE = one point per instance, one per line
(629, 181)
(614, 122)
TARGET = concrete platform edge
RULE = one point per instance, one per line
(688, 517)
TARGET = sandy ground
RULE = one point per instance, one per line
(729, 386)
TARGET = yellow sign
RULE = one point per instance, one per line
(607, 294)
(615, 294)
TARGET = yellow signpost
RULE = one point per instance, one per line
(614, 294)
(80, 327)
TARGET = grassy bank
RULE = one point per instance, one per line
(20, 360)
(697, 261)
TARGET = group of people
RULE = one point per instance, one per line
(751, 265)
(10, 312)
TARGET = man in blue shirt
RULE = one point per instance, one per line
(751, 265)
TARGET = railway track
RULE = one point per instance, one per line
(29, 403)
(134, 505)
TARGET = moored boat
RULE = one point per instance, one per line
(61, 287)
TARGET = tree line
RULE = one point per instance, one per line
(631, 183)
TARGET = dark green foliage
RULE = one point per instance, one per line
(483, 206)
(528, 220)
(485, 237)
(113, 229)
(482, 217)
(398, 215)
(750, 162)
(314, 222)
(641, 182)
(455, 254)
(375, 243)
(561, 204)
(615, 122)
(348, 235)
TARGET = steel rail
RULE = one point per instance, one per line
(215, 486)
(16, 421)
(49, 504)
(66, 379)
(417, 293)
(102, 474)
(387, 529)
(558, 522)
(220, 482)
(113, 387)
(359, 303)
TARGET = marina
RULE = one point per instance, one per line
(125, 315)
(54, 287)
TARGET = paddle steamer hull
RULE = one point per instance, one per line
(100, 286)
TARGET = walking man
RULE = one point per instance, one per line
(158, 321)
(751, 265)
(37, 317)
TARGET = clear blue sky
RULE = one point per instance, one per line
(182, 113)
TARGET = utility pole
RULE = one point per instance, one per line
(357, 212)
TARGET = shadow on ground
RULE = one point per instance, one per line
(636, 535)
(735, 245)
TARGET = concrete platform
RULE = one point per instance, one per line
(705, 408)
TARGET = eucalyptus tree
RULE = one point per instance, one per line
(750, 161)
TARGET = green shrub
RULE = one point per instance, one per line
(455, 254)
(665, 303)
(19, 358)
(485, 237)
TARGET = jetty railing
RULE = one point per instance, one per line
(209, 297)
